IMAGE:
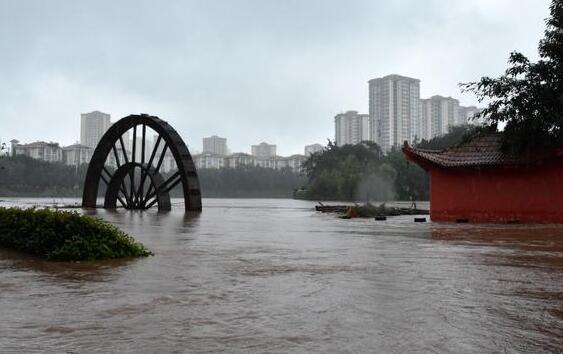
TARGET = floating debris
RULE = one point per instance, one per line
(369, 211)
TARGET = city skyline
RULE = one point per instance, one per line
(211, 69)
(94, 125)
(424, 118)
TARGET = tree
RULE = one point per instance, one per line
(3, 150)
(528, 98)
(362, 172)
(454, 137)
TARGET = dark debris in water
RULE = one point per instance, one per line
(369, 210)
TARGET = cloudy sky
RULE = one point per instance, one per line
(249, 70)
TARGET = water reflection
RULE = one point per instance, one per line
(536, 237)
(69, 271)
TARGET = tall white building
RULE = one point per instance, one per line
(467, 113)
(215, 145)
(294, 162)
(264, 150)
(77, 154)
(394, 110)
(351, 128)
(437, 115)
(93, 125)
(311, 149)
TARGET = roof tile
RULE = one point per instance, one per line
(482, 151)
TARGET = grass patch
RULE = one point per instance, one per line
(65, 235)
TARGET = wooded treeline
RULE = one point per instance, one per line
(351, 172)
(22, 176)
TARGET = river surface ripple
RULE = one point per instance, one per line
(274, 276)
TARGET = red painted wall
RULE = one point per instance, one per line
(497, 194)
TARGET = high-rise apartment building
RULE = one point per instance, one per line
(351, 128)
(394, 110)
(466, 114)
(93, 125)
(77, 154)
(263, 150)
(311, 149)
(215, 145)
(437, 115)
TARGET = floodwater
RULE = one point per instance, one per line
(274, 276)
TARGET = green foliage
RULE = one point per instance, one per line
(22, 175)
(3, 150)
(362, 172)
(455, 136)
(64, 236)
(411, 182)
(528, 98)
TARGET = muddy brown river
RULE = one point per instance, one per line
(274, 276)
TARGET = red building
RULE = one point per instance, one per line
(476, 182)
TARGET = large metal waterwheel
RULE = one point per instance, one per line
(134, 173)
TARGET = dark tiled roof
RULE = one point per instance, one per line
(482, 151)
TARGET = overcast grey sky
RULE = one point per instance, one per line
(249, 70)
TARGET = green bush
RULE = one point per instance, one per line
(65, 236)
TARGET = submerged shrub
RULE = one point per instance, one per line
(65, 235)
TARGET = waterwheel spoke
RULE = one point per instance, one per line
(170, 183)
(144, 132)
(151, 203)
(117, 162)
(148, 195)
(104, 179)
(141, 189)
(122, 188)
(123, 150)
(132, 171)
(154, 150)
(108, 179)
(134, 145)
(161, 159)
(157, 168)
(124, 204)
(145, 174)
(173, 183)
